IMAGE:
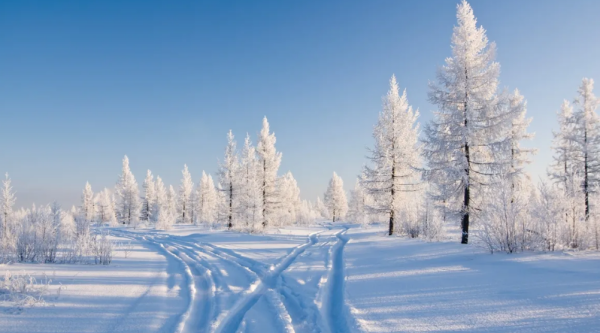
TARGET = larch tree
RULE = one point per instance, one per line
(269, 160)
(335, 198)
(227, 179)
(562, 168)
(587, 140)
(88, 209)
(6, 211)
(471, 123)
(149, 197)
(289, 194)
(105, 207)
(207, 199)
(517, 156)
(358, 204)
(171, 202)
(249, 184)
(394, 178)
(185, 193)
(128, 197)
(159, 202)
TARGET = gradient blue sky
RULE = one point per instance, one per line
(83, 83)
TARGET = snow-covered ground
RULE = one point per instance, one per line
(331, 278)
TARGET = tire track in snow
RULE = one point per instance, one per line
(189, 320)
(336, 313)
(204, 303)
(232, 320)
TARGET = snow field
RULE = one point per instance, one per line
(329, 278)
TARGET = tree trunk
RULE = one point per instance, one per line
(264, 210)
(230, 205)
(391, 231)
(467, 193)
(585, 175)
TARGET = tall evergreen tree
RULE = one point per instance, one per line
(471, 124)
(269, 161)
(228, 181)
(88, 209)
(185, 194)
(335, 198)
(6, 211)
(394, 179)
(149, 197)
(587, 140)
(128, 197)
(207, 199)
(160, 202)
(249, 184)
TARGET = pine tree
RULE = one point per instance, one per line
(471, 124)
(185, 192)
(227, 179)
(269, 161)
(149, 197)
(88, 208)
(335, 198)
(128, 199)
(393, 180)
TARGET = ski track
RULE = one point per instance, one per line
(232, 320)
(336, 313)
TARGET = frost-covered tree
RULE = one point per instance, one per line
(249, 194)
(172, 201)
(562, 168)
(564, 171)
(335, 198)
(269, 160)
(128, 197)
(466, 142)
(358, 204)
(207, 199)
(393, 180)
(227, 179)
(88, 207)
(6, 210)
(587, 140)
(105, 208)
(320, 209)
(160, 202)
(185, 192)
(149, 197)
(289, 196)
(517, 156)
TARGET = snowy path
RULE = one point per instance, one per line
(222, 286)
(336, 313)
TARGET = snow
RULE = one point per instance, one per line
(327, 278)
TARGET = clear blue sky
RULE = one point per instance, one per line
(83, 83)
